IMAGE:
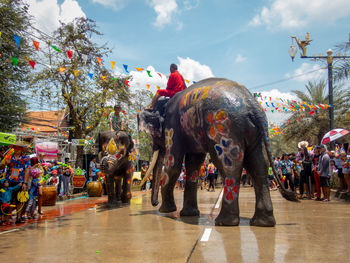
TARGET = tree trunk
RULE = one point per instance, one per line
(80, 157)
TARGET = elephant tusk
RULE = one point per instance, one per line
(150, 169)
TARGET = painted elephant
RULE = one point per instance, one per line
(117, 165)
(222, 118)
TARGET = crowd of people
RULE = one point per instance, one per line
(23, 174)
(309, 172)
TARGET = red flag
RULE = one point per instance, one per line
(32, 63)
(127, 83)
(70, 53)
(160, 75)
(36, 45)
(99, 60)
(311, 112)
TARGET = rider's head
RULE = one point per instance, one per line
(117, 108)
(173, 67)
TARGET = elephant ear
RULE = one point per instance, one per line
(131, 144)
(111, 147)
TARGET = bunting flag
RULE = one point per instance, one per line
(149, 73)
(194, 82)
(160, 75)
(14, 61)
(311, 112)
(112, 64)
(0, 34)
(139, 69)
(147, 85)
(36, 45)
(187, 81)
(126, 68)
(127, 83)
(103, 78)
(90, 75)
(62, 69)
(114, 78)
(76, 72)
(158, 87)
(32, 63)
(17, 39)
(55, 48)
(70, 53)
(99, 60)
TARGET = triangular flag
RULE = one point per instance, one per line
(55, 48)
(32, 63)
(114, 78)
(76, 72)
(103, 78)
(139, 69)
(17, 39)
(149, 73)
(14, 61)
(70, 53)
(160, 75)
(126, 68)
(99, 60)
(158, 87)
(194, 82)
(112, 64)
(127, 83)
(36, 45)
(0, 34)
(147, 86)
(187, 81)
(62, 69)
(90, 75)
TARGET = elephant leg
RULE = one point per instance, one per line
(230, 167)
(118, 188)
(257, 167)
(126, 195)
(111, 189)
(193, 163)
(171, 174)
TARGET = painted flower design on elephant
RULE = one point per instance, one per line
(194, 176)
(169, 158)
(228, 152)
(230, 189)
(218, 126)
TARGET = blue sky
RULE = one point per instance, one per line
(245, 41)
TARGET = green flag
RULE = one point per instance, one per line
(149, 73)
(55, 48)
(14, 61)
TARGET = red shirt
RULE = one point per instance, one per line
(176, 82)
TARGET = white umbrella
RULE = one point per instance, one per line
(333, 135)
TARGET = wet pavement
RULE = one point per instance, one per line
(83, 230)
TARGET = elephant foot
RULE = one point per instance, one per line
(227, 220)
(166, 208)
(113, 204)
(189, 212)
(126, 202)
(265, 221)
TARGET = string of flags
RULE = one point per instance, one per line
(70, 53)
(285, 105)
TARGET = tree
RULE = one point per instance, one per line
(84, 95)
(342, 70)
(312, 124)
(14, 66)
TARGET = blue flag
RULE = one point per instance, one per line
(126, 68)
(90, 75)
(17, 39)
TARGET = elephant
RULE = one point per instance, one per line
(117, 166)
(220, 117)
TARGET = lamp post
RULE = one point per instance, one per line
(292, 51)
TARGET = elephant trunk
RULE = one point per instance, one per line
(157, 172)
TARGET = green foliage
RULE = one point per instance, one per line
(312, 127)
(14, 20)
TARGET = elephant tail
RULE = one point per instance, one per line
(289, 195)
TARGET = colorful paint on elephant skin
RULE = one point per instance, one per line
(190, 120)
(194, 176)
(230, 189)
(169, 158)
(194, 95)
(219, 124)
(228, 152)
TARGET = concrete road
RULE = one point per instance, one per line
(82, 230)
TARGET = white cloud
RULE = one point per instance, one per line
(165, 10)
(291, 14)
(240, 58)
(192, 70)
(115, 4)
(191, 4)
(308, 72)
(48, 13)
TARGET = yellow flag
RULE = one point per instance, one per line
(62, 69)
(139, 69)
(0, 34)
(187, 81)
(76, 72)
(112, 64)
(147, 86)
(103, 78)
(158, 87)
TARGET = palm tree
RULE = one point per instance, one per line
(342, 70)
(311, 125)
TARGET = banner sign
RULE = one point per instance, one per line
(7, 138)
(78, 142)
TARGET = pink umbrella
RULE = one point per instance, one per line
(334, 135)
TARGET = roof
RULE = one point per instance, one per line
(45, 121)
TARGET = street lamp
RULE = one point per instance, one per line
(302, 45)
